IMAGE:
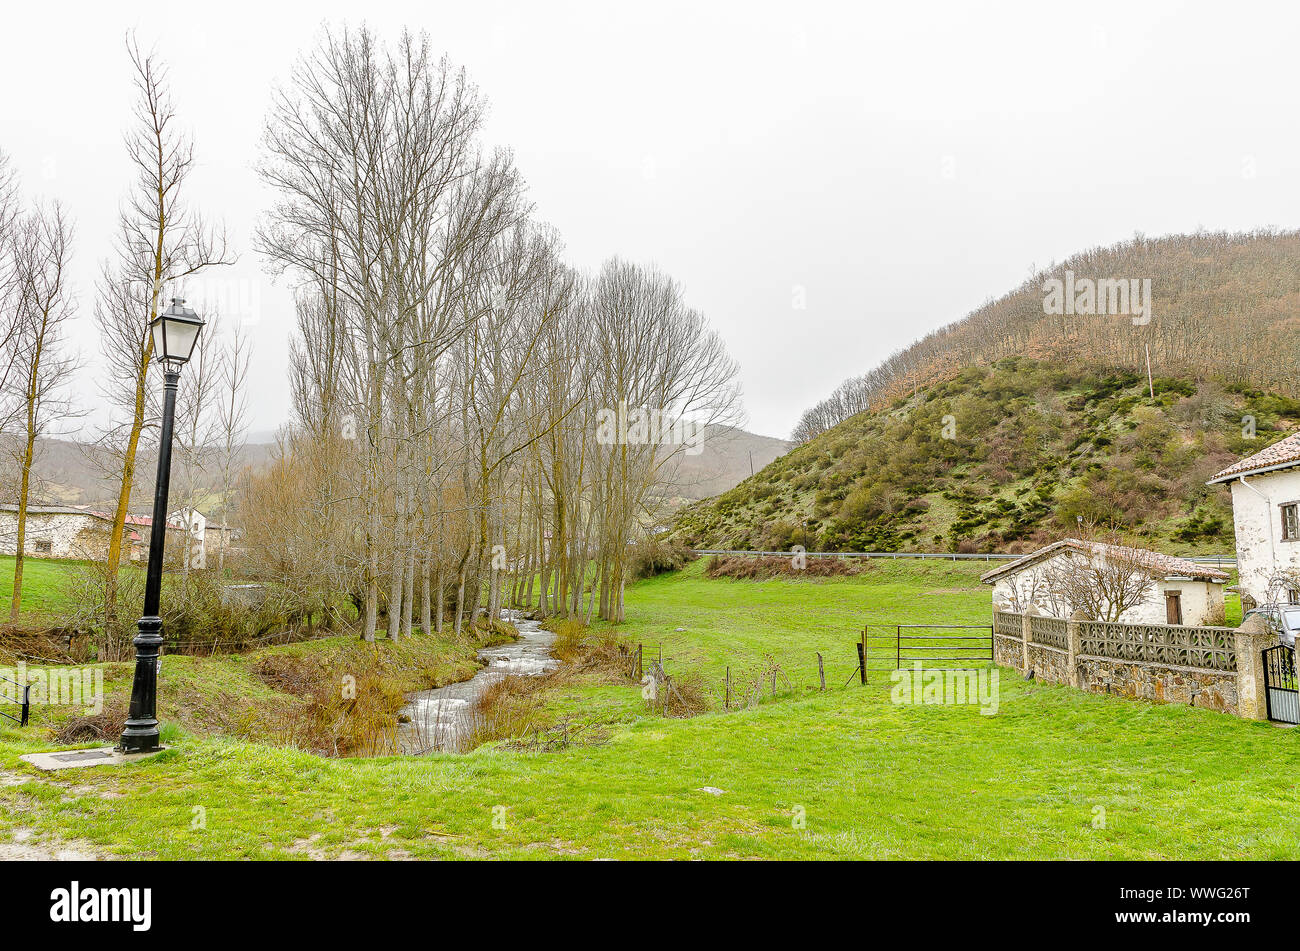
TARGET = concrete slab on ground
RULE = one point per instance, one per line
(76, 759)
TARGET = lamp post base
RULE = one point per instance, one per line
(139, 738)
(141, 732)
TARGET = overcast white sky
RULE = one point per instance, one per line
(899, 165)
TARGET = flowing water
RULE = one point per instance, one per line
(442, 719)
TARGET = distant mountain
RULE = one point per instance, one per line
(726, 456)
(65, 472)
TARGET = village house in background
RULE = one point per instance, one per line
(1266, 512)
(67, 531)
(213, 537)
(1147, 587)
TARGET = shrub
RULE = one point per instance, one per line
(655, 555)
(508, 709)
(196, 618)
(681, 695)
(104, 725)
(756, 568)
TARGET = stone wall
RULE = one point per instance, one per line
(1050, 664)
(53, 535)
(1162, 684)
(1007, 650)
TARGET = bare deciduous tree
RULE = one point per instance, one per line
(38, 355)
(160, 243)
(1101, 576)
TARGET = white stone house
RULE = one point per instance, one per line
(192, 521)
(206, 538)
(61, 531)
(1183, 592)
(69, 531)
(1266, 514)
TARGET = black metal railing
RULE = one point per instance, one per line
(24, 705)
(1281, 692)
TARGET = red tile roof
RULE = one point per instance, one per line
(1280, 455)
(1159, 563)
(144, 521)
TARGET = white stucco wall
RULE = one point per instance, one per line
(1261, 552)
(1201, 600)
(1202, 603)
(190, 520)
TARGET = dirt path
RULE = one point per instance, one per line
(24, 845)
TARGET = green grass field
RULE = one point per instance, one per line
(45, 589)
(738, 623)
(843, 774)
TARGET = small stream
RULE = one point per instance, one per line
(442, 719)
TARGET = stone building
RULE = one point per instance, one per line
(60, 531)
(1266, 513)
(68, 531)
(1183, 591)
(207, 539)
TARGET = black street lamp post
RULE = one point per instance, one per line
(175, 331)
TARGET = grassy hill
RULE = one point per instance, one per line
(1003, 457)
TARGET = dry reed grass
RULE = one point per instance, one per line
(758, 567)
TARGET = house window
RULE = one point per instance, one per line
(42, 546)
(1291, 522)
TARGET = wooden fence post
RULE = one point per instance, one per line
(640, 673)
(821, 671)
(862, 663)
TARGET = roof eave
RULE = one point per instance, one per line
(1262, 470)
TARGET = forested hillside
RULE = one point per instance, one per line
(1004, 457)
(1223, 305)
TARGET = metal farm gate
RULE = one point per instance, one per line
(1280, 689)
(894, 646)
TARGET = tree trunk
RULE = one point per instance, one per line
(460, 602)
(20, 545)
(426, 606)
(438, 605)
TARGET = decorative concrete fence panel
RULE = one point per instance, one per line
(1051, 631)
(1212, 648)
(1214, 667)
(1006, 624)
